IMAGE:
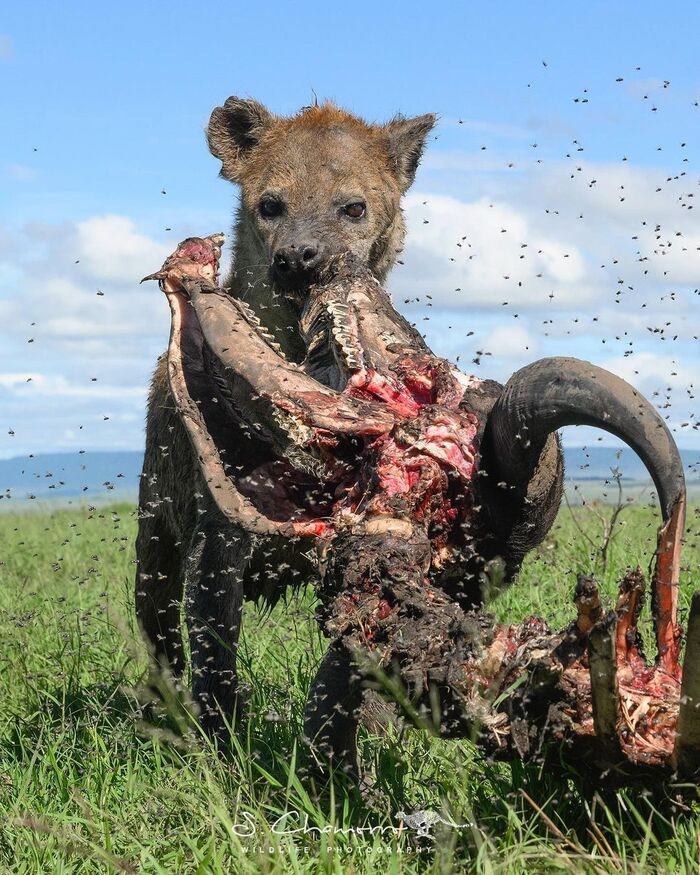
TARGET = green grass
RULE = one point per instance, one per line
(89, 783)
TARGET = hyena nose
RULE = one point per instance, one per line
(297, 262)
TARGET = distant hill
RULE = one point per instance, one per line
(69, 475)
(116, 474)
(596, 463)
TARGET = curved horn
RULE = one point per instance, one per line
(555, 392)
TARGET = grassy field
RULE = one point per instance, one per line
(89, 783)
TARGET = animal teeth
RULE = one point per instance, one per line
(341, 336)
(254, 322)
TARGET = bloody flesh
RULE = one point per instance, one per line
(393, 454)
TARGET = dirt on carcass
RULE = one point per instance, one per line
(394, 452)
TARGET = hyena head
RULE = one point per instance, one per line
(318, 184)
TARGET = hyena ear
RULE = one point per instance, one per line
(234, 129)
(406, 143)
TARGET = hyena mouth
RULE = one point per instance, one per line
(367, 427)
(295, 289)
(367, 446)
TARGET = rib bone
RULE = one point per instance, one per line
(603, 675)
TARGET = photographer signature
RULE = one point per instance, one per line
(294, 823)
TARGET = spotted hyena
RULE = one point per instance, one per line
(314, 185)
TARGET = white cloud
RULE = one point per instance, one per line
(652, 372)
(68, 291)
(110, 248)
(668, 382)
(639, 221)
(12, 381)
(87, 334)
(510, 342)
(485, 253)
(57, 386)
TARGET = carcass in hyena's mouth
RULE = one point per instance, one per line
(404, 471)
(386, 446)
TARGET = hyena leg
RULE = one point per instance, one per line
(159, 588)
(217, 560)
(332, 712)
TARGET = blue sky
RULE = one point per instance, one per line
(552, 213)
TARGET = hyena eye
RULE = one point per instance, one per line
(270, 207)
(355, 210)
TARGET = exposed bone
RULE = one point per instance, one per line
(253, 320)
(195, 257)
(628, 608)
(588, 607)
(524, 691)
(603, 674)
(303, 420)
(196, 260)
(665, 582)
(361, 309)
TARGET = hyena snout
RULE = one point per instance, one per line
(298, 264)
